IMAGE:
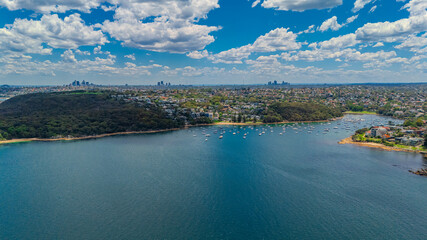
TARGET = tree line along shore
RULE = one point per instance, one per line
(90, 114)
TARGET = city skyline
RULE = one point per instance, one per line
(211, 42)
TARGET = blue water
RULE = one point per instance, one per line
(176, 185)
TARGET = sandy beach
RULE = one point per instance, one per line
(349, 140)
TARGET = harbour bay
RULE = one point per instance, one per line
(297, 183)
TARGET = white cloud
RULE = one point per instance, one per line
(86, 53)
(416, 7)
(300, 5)
(47, 6)
(190, 71)
(22, 65)
(331, 24)
(233, 55)
(131, 56)
(340, 42)
(173, 29)
(379, 44)
(359, 4)
(255, 3)
(198, 54)
(310, 29)
(390, 31)
(338, 55)
(71, 32)
(279, 39)
(373, 9)
(139, 8)
(98, 50)
(351, 19)
(161, 35)
(68, 56)
(68, 33)
(414, 43)
(10, 41)
(172, 9)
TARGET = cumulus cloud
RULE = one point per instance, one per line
(22, 64)
(279, 39)
(338, 55)
(390, 31)
(86, 53)
(234, 55)
(173, 29)
(340, 42)
(378, 44)
(161, 35)
(140, 8)
(131, 56)
(11, 41)
(414, 43)
(198, 54)
(190, 71)
(330, 24)
(360, 4)
(351, 19)
(416, 7)
(300, 5)
(47, 6)
(172, 9)
(310, 29)
(68, 56)
(68, 33)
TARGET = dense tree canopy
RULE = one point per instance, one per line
(77, 114)
(300, 112)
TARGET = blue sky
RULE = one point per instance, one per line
(212, 41)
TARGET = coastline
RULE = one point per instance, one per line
(361, 113)
(349, 140)
(261, 123)
(24, 140)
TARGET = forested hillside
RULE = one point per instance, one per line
(278, 112)
(77, 114)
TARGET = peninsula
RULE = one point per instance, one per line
(408, 137)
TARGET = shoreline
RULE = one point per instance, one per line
(261, 123)
(349, 140)
(24, 140)
(361, 113)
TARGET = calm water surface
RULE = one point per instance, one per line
(177, 185)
